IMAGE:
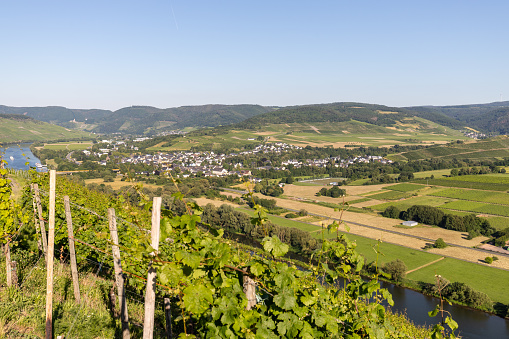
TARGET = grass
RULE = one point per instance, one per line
(435, 173)
(472, 274)
(71, 146)
(387, 252)
(284, 221)
(478, 207)
(474, 195)
(390, 195)
(499, 223)
(452, 182)
(405, 204)
(404, 187)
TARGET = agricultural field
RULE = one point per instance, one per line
(407, 203)
(71, 146)
(452, 182)
(405, 187)
(474, 195)
(454, 270)
(478, 207)
(390, 195)
(490, 149)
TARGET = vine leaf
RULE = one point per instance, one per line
(274, 246)
(197, 298)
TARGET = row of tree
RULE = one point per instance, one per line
(429, 215)
(227, 218)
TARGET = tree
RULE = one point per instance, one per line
(391, 212)
(397, 270)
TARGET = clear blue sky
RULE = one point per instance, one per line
(111, 54)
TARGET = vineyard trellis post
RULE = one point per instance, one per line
(37, 228)
(41, 219)
(72, 252)
(167, 315)
(14, 274)
(50, 255)
(119, 278)
(150, 293)
(8, 272)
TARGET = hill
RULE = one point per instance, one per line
(494, 148)
(18, 128)
(331, 125)
(140, 119)
(149, 120)
(488, 118)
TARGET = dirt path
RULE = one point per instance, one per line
(425, 265)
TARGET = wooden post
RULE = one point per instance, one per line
(119, 278)
(37, 228)
(167, 315)
(250, 291)
(50, 255)
(8, 268)
(150, 292)
(70, 234)
(41, 220)
(14, 274)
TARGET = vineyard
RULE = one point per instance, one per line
(161, 254)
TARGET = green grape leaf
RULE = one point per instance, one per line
(274, 246)
(197, 299)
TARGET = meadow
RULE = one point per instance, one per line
(71, 146)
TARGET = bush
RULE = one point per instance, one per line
(397, 270)
(440, 243)
(488, 260)
(291, 215)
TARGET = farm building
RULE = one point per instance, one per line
(409, 223)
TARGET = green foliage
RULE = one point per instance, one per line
(396, 269)
(440, 243)
(488, 260)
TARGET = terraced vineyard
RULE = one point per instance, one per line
(490, 149)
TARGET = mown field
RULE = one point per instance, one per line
(71, 146)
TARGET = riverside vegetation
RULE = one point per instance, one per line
(204, 275)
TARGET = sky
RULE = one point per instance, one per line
(111, 54)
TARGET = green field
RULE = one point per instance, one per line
(451, 182)
(284, 221)
(390, 195)
(404, 187)
(474, 195)
(435, 173)
(406, 204)
(499, 222)
(472, 274)
(478, 207)
(71, 146)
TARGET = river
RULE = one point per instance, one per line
(21, 154)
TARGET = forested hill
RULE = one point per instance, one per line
(56, 114)
(345, 111)
(140, 119)
(488, 118)
(143, 119)
(19, 128)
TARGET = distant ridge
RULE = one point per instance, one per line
(488, 118)
(140, 119)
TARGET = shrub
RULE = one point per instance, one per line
(440, 243)
(488, 260)
(397, 270)
(291, 215)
